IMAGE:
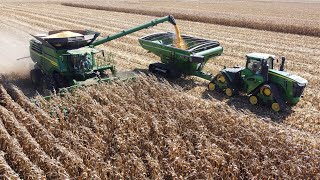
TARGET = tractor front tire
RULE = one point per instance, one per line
(212, 86)
(253, 100)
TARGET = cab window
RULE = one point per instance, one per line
(254, 65)
(270, 63)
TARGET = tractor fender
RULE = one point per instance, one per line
(277, 96)
(226, 74)
(257, 89)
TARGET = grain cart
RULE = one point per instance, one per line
(261, 82)
(176, 61)
(70, 58)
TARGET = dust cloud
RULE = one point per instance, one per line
(14, 45)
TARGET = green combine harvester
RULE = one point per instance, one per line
(69, 58)
(258, 79)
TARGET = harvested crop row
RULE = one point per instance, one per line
(72, 163)
(15, 157)
(165, 133)
(70, 135)
(293, 29)
(5, 170)
(219, 37)
(31, 148)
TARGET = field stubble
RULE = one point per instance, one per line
(124, 131)
(161, 130)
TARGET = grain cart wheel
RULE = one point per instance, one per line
(276, 107)
(253, 100)
(36, 76)
(152, 68)
(266, 90)
(212, 86)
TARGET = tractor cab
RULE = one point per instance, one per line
(256, 62)
(256, 70)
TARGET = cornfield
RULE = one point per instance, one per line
(210, 15)
(153, 128)
(122, 131)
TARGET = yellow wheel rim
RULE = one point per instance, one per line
(221, 78)
(275, 107)
(267, 91)
(253, 100)
(212, 86)
(229, 92)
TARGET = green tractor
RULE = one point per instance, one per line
(261, 82)
(69, 58)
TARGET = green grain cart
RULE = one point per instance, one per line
(176, 62)
(67, 58)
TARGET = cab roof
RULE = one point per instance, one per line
(260, 56)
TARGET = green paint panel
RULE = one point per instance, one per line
(188, 61)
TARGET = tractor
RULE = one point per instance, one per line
(261, 82)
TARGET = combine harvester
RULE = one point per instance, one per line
(258, 80)
(69, 58)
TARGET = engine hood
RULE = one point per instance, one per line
(301, 81)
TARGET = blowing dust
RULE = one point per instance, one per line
(14, 54)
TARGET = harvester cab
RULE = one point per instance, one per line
(261, 82)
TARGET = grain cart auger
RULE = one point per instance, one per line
(261, 82)
(69, 58)
(175, 61)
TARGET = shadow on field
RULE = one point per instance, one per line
(240, 103)
(22, 82)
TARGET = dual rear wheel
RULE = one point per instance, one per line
(265, 91)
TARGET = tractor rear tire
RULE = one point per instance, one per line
(266, 90)
(36, 76)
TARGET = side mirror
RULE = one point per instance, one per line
(283, 59)
(265, 70)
